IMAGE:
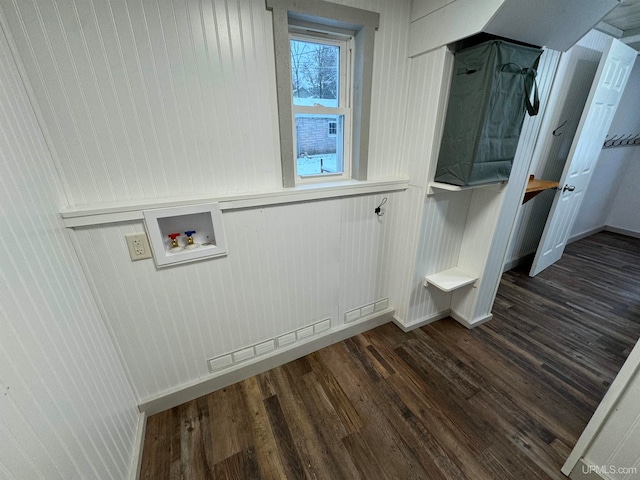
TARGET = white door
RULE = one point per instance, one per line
(608, 85)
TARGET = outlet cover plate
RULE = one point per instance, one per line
(138, 245)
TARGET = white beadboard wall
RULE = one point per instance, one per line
(429, 79)
(287, 267)
(442, 229)
(403, 217)
(67, 410)
(428, 228)
(148, 99)
(153, 99)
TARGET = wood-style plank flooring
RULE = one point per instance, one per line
(506, 400)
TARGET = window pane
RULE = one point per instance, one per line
(315, 73)
(319, 151)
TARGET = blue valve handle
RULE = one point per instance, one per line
(189, 233)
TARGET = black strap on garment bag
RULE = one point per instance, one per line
(529, 84)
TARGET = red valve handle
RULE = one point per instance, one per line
(172, 236)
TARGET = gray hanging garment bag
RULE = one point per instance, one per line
(493, 85)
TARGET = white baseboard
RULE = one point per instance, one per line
(511, 264)
(622, 231)
(420, 322)
(470, 323)
(186, 393)
(439, 316)
(514, 262)
(586, 234)
(136, 460)
(584, 470)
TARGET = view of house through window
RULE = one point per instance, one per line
(319, 105)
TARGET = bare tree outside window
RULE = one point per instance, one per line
(299, 52)
(321, 73)
(319, 118)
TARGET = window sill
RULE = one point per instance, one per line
(105, 213)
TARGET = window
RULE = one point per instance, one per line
(321, 87)
(324, 65)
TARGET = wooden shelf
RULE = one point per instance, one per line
(449, 280)
(536, 186)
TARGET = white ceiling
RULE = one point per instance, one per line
(625, 16)
(626, 19)
(556, 24)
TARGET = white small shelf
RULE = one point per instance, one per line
(447, 186)
(434, 187)
(450, 280)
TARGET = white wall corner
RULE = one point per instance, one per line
(471, 323)
(588, 233)
(400, 323)
(136, 459)
(622, 231)
(421, 322)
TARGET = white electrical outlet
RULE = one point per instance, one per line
(138, 244)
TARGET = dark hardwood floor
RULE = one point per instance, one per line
(506, 400)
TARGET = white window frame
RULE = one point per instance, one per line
(335, 128)
(320, 15)
(345, 90)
